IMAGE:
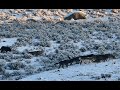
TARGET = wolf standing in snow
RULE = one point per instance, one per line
(62, 63)
(5, 49)
(67, 62)
(75, 59)
(98, 58)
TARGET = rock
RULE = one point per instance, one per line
(69, 10)
(76, 15)
(31, 20)
(114, 10)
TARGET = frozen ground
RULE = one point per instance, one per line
(7, 41)
(44, 29)
(84, 72)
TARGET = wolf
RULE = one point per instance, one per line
(104, 57)
(76, 59)
(70, 61)
(5, 49)
(97, 58)
(87, 58)
(63, 63)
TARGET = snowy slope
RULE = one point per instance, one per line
(36, 29)
(7, 41)
(80, 72)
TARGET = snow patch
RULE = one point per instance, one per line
(78, 72)
(105, 19)
(18, 16)
(7, 41)
(22, 48)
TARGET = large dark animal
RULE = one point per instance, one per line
(68, 62)
(62, 63)
(5, 49)
(104, 57)
(87, 59)
(75, 59)
(80, 59)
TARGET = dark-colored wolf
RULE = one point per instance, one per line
(75, 59)
(104, 57)
(5, 49)
(67, 62)
(63, 63)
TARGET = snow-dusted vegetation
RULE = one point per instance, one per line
(40, 38)
(104, 71)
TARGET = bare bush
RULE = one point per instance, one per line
(29, 69)
(15, 65)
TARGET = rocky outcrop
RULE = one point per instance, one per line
(75, 15)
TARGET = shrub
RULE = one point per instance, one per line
(2, 70)
(27, 56)
(29, 69)
(2, 62)
(44, 44)
(15, 65)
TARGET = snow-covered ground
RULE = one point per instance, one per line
(45, 29)
(7, 41)
(84, 72)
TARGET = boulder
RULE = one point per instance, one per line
(75, 15)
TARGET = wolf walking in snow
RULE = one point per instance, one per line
(85, 59)
(5, 49)
(63, 63)
(75, 59)
(104, 57)
(97, 58)
(68, 62)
